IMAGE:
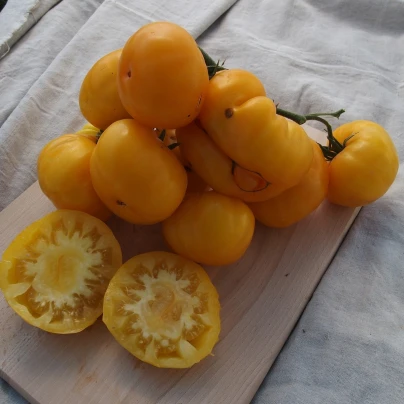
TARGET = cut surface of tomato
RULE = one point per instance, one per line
(55, 272)
(163, 309)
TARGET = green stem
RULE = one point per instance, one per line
(334, 146)
(299, 119)
(335, 114)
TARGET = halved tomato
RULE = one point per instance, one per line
(163, 309)
(55, 272)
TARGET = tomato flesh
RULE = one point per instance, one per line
(163, 309)
(55, 273)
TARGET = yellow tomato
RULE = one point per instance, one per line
(365, 168)
(195, 183)
(210, 228)
(55, 272)
(243, 123)
(299, 201)
(135, 175)
(219, 171)
(163, 309)
(99, 99)
(162, 76)
(64, 175)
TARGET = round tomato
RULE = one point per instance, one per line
(162, 76)
(219, 171)
(243, 123)
(163, 309)
(99, 99)
(210, 228)
(299, 201)
(366, 166)
(64, 175)
(55, 272)
(135, 175)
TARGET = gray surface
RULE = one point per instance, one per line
(312, 55)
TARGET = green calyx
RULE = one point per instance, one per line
(212, 66)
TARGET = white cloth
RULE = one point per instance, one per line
(35, 51)
(17, 17)
(312, 55)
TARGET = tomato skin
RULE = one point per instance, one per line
(178, 305)
(243, 123)
(218, 170)
(50, 262)
(195, 182)
(299, 201)
(135, 175)
(162, 76)
(89, 131)
(365, 169)
(99, 99)
(64, 175)
(210, 228)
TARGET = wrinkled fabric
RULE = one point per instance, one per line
(17, 17)
(35, 51)
(312, 56)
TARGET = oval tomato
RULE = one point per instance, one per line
(365, 168)
(243, 123)
(64, 174)
(135, 175)
(162, 76)
(299, 201)
(99, 99)
(55, 272)
(210, 228)
(219, 171)
(163, 309)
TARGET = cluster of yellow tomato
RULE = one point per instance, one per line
(174, 138)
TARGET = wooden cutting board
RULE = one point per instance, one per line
(262, 297)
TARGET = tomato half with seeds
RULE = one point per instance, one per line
(55, 272)
(299, 201)
(99, 99)
(366, 166)
(210, 228)
(162, 76)
(163, 309)
(243, 123)
(136, 175)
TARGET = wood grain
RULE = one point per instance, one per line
(262, 297)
